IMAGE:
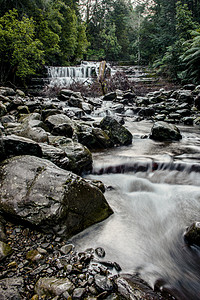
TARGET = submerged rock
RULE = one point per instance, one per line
(56, 201)
(163, 131)
(192, 234)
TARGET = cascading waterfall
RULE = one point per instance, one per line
(62, 76)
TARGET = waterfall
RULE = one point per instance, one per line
(63, 76)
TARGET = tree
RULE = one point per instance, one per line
(20, 52)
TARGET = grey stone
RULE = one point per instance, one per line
(10, 287)
(163, 131)
(56, 201)
(52, 286)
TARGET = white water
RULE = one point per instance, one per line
(152, 209)
(63, 76)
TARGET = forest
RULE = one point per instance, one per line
(162, 34)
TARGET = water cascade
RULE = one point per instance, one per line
(62, 76)
(154, 190)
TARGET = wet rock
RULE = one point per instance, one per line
(80, 158)
(59, 125)
(75, 102)
(110, 96)
(118, 134)
(78, 293)
(189, 87)
(197, 122)
(2, 230)
(36, 134)
(147, 112)
(5, 250)
(55, 155)
(100, 252)
(3, 109)
(16, 145)
(34, 255)
(103, 283)
(184, 96)
(192, 234)
(10, 288)
(38, 192)
(93, 138)
(52, 286)
(132, 287)
(66, 249)
(163, 131)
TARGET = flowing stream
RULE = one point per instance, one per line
(154, 191)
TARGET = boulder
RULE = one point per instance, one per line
(80, 158)
(36, 134)
(60, 125)
(118, 134)
(132, 287)
(93, 138)
(192, 234)
(110, 96)
(36, 191)
(55, 155)
(13, 145)
(163, 131)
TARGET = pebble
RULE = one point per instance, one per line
(33, 262)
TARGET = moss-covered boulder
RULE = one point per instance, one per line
(56, 201)
(163, 131)
(118, 134)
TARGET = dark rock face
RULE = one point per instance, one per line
(192, 234)
(117, 133)
(38, 192)
(163, 131)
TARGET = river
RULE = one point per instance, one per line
(154, 191)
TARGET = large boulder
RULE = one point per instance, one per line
(36, 191)
(118, 134)
(163, 131)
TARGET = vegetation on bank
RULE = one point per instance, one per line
(165, 34)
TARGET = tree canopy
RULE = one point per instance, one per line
(62, 32)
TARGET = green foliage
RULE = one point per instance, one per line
(184, 21)
(191, 59)
(170, 65)
(20, 51)
(82, 42)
